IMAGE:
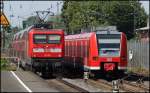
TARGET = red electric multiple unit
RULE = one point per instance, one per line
(40, 48)
(102, 50)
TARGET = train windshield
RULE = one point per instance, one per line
(54, 38)
(39, 38)
(46, 39)
(109, 44)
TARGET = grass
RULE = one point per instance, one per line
(6, 66)
(138, 70)
(3, 64)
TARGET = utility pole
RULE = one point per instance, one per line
(58, 3)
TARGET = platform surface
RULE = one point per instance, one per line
(9, 83)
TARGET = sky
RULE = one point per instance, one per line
(17, 11)
(145, 4)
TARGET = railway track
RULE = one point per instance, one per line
(129, 83)
(72, 86)
(133, 87)
(63, 85)
(100, 84)
(123, 86)
(138, 85)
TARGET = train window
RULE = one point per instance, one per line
(39, 39)
(109, 36)
(54, 38)
(109, 52)
(109, 45)
(109, 49)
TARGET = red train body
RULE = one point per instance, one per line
(104, 50)
(39, 48)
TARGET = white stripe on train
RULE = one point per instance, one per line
(98, 68)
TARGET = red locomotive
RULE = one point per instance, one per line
(104, 51)
(40, 48)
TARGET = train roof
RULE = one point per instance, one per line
(22, 31)
(79, 36)
(108, 32)
(28, 29)
(87, 35)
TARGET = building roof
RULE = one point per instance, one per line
(143, 28)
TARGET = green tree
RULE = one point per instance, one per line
(126, 15)
(56, 21)
(30, 21)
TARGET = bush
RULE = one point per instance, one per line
(3, 64)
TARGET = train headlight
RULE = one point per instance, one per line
(95, 58)
(38, 50)
(56, 50)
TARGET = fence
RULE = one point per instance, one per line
(140, 54)
(12, 62)
(5, 52)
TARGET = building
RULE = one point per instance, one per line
(143, 33)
